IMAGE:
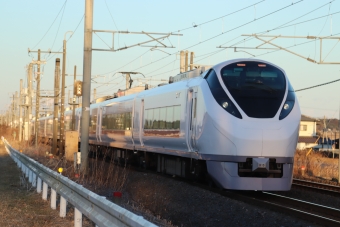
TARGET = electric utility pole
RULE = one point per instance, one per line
(56, 106)
(74, 100)
(20, 111)
(87, 63)
(62, 109)
(37, 100)
(38, 63)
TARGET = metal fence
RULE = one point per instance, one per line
(97, 208)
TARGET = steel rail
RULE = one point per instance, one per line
(323, 215)
(326, 188)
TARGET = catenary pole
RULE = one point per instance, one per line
(87, 61)
(62, 104)
(56, 106)
(74, 101)
(29, 107)
(37, 102)
(20, 111)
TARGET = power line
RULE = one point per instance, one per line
(295, 45)
(280, 26)
(196, 25)
(319, 85)
(222, 33)
(112, 20)
(68, 38)
(50, 25)
(61, 19)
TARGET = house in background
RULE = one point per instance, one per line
(307, 133)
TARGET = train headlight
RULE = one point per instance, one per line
(288, 106)
(225, 105)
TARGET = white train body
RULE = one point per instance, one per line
(240, 117)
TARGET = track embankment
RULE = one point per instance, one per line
(21, 205)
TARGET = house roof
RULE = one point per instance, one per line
(306, 118)
(307, 139)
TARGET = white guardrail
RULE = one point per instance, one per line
(97, 208)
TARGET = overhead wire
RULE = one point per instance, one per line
(197, 25)
(67, 39)
(295, 45)
(202, 23)
(112, 20)
(213, 37)
(319, 85)
(282, 25)
(50, 25)
(273, 12)
(61, 19)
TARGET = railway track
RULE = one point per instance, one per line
(311, 212)
(319, 187)
(322, 215)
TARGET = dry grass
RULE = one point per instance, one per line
(317, 165)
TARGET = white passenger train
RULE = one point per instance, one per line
(237, 121)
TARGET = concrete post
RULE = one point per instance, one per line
(37, 107)
(78, 218)
(44, 194)
(74, 100)
(30, 175)
(53, 199)
(62, 104)
(20, 111)
(34, 180)
(39, 185)
(56, 106)
(87, 63)
(62, 207)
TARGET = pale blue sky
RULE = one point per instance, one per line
(24, 24)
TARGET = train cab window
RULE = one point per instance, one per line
(220, 95)
(258, 88)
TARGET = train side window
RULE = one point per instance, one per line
(156, 118)
(169, 117)
(162, 117)
(177, 116)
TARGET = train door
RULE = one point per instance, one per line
(99, 123)
(191, 119)
(141, 122)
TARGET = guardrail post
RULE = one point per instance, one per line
(78, 218)
(45, 188)
(62, 207)
(34, 179)
(39, 185)
(30, 175)
(26, 171)
(23, 168)
(53, 199)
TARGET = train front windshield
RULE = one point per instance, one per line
(257, 88)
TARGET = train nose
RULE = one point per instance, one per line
(249, 142)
